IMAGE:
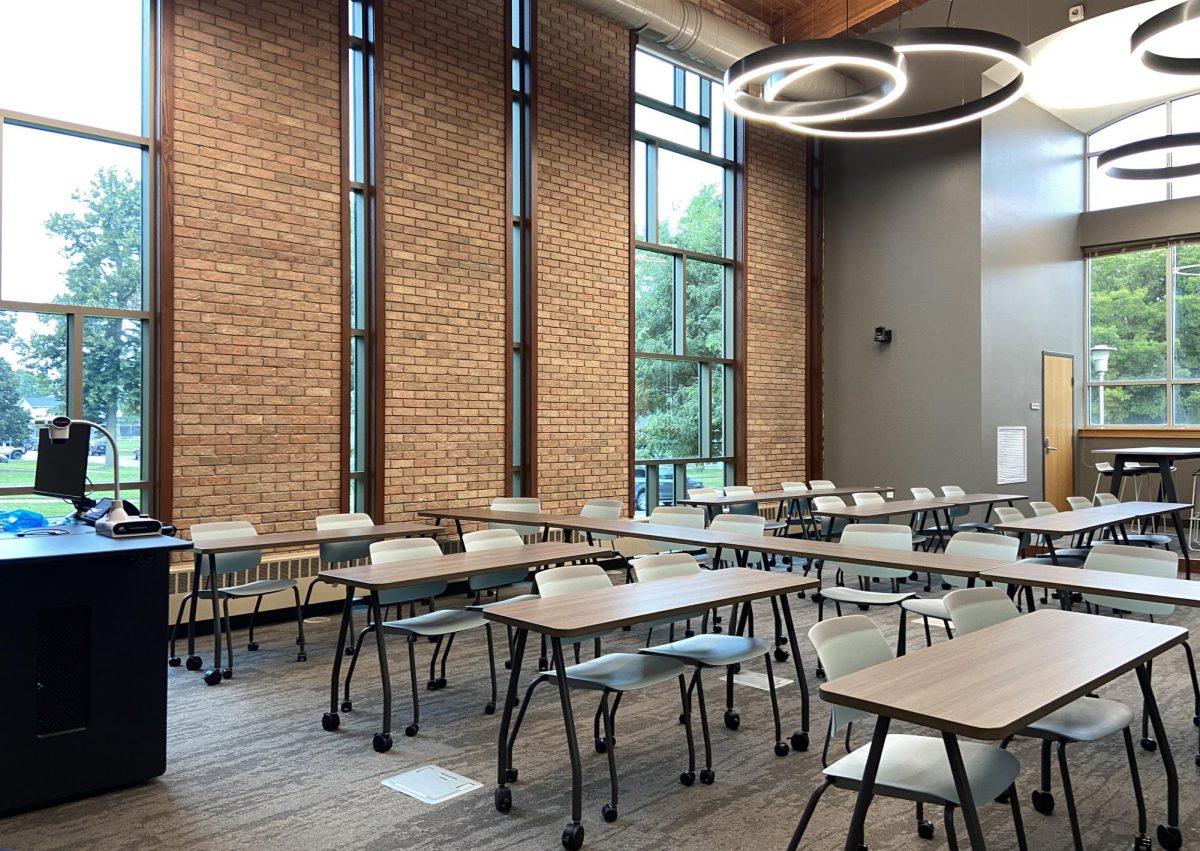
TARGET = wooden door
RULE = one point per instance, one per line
(1058, 428)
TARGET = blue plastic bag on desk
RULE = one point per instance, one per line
(15, 521)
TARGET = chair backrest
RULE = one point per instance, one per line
(738, 524)
(1079, 503)
(1141, 561)
(794, 487)
(868, 498)
(845, 645)
(980, 545)
(922, 493)
(524, 504)
(821, 484)
(1103, 498)
(694, 493)
(886, 536)
(341, 552)
(688, 516)
(821, 503)
(743, 507)
(601, 509)
(953, 490)
(1104, 467)
(494, 539)
(972, 609)
(398, 550)
(664, 566)
(571, 578)
(1008, 514)
(1041, 509)
(221, 529)
(739, 490)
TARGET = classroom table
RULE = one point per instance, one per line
(1162, 458)
(273, 541)
(1071, 523)
(581, 613)
(716, 503)
(982, 686)
(374, 578)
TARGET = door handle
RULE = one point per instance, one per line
(1047, 446)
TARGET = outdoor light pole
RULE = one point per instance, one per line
(1100, 355)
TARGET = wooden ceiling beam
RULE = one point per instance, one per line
(828, 18)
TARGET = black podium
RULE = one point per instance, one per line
(84, 686)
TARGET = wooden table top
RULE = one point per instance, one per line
(1085, 520)
(1151, 589)
(1155, 452)
(887, 509)
(992, 683)
(773, 496)
(984, 498)
(457, 566)
(309, 537)
(620, 605)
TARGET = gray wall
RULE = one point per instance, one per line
(1174, 218)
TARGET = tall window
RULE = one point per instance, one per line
(75, 265)
(684, 242)
(1181, 115)
(1144, 337)
(360, 246)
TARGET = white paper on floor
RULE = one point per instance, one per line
(757, 680)
(431, 784)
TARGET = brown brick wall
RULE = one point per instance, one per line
(257, 261)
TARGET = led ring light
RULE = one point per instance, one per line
(1146, 146)
(775, 68)
(1155, 26)
(937, 40)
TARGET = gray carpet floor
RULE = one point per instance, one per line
(250, 766)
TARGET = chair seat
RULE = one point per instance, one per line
(622, 671)
(1062, 561)
(442, 622)
(774, 525)
(711, 650)
(842, 594)
(258, 587)
(520, 598)
(686, 616)
(927, 607)
(1083, 720)
(1149, 540)
(975, 527)
(916, 768)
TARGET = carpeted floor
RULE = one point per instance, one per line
(250, 766)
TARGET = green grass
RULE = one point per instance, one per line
(20, 473)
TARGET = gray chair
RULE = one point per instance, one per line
(340, 552)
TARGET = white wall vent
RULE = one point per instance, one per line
(1010, 455)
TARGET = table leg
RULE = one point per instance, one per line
(1029, 597)
(800, 739)
(503, 795)
(198, 568)
(573, 832)
(1168, 486)
(331, 720)
(458, 529)
(963, 787)
(1050, 546)
(383, 739)
(866, 791)
(1117, 474)
(213, 675)
(1169, 835)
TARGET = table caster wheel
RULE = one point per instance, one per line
(301, 657)
(819, 672)
(508, 664)
(431, 685)
(1043, 802)
(349, 651)
(382, 742)
(781, 749)
(489, 708)
(1169, 837)
(781, 655)
(227, 673)
(174, 661)
(1149, 745)
(330, 721)
(252, 646)
(946, 586)
(503, 800)
(572, 837)
(800, 742)
(682, 718)
(609, 813)
(601, 745)
(925, 830)
(1142, 843)
(194, 663)
(347, 706)
(687, 778)
(412, 730)
(212, 677)
(707, 776)
(510, 774)
(732, 720)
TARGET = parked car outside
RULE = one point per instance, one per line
(666, 485)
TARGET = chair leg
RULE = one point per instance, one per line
(706, 775)
(781, 747)
(688, 777)
(512, 737)
(251, 644)
(609, 810)
(807, 815)
(301, 656)
(1069, 794)
(1014, 801)
(228, 672)
(948, 820)
(437, 648)
(928, 637)
(346, 704)
(173, 660)
(1136, 779)
(415, 727)
(490, 707)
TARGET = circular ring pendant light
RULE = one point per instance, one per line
(778, 67)
(1146, 146)
(1159, 24)
(956, 40)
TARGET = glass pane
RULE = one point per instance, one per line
(1187, 312)
(358, 259)
(704, 307)
(665, 476)
(1139, 404)
(1185, 115)
(518, 163)
(33, 386)
(357, 117)
(70, 220)
(718, 122)
(112, 393)
(691, 203)
(358, 408)
(639, 190)
(654, 302)
(710, 475)
(654, 77)
(1187, 404)
(666, 408)
(1185, 187)
(1106, 192)
(720, 374)
(518, 409)
(1132, 128)
(94, 75)
(518, 284)
(691, 91)
(356, 18)
(1128, 313)
(639, 489)
(677, 130)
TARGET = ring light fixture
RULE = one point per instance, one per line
(1155, 26)
(1146, 146)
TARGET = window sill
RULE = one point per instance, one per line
(1188, 433)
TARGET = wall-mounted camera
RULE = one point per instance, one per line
(883, 335)
(60, 429)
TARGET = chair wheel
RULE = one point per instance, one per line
(212, 677)
(382, 742)
(510, 774)
(689, 633)
(682, 718)
(572, 837)
(1043, 802)
(820, 672)
(945, 586)
(330, 722)
(347, 706)
(301, 657)
(609, 812)
(194, 663)
(687, 778)
(732, 720)
(174, 661)
(862, 607)
(736, 669)
(1196, 720)
(441, 682)
(431, 685)
(252, 646)
(781, 655)
(1149, 745)
(508, 664)
(412, 730)
(800, 742)
(1169, 837)
(925, 830)
(601, 745)
(544, 665)
(227, 673)
(349, 651)
(707, 776)
(1198, 760)
(1142, 843)
(489, 708)
(503, 800)
(781, 749)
